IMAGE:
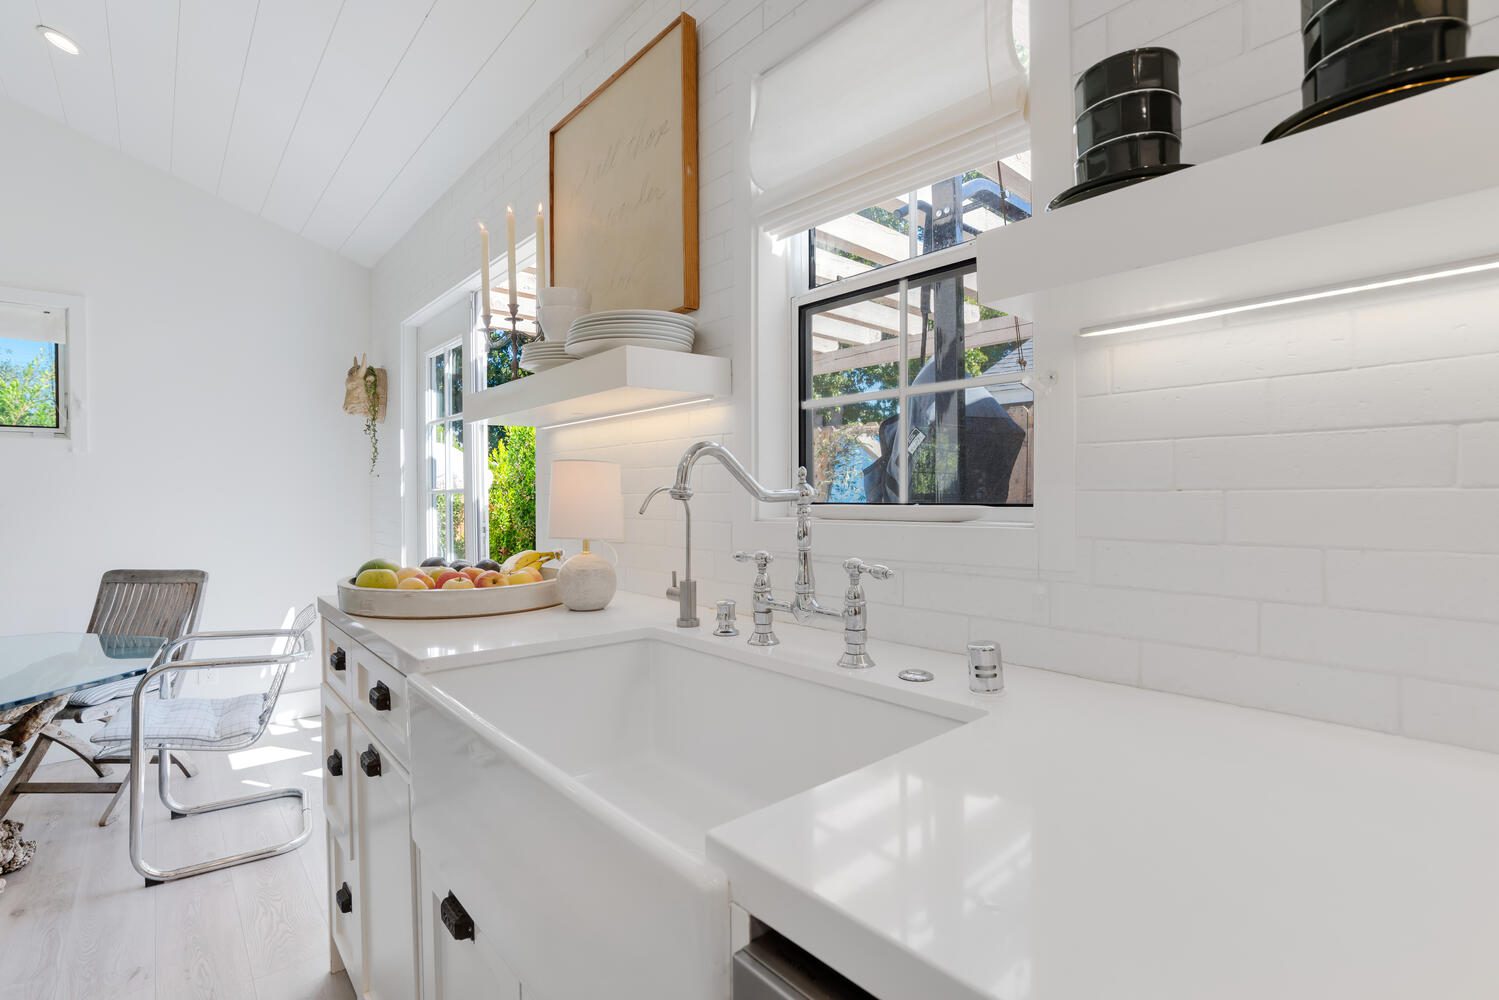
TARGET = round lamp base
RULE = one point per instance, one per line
(586, 582)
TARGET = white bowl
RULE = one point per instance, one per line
(556, 295)
(557, 320)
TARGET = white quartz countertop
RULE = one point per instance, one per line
(1087, 841)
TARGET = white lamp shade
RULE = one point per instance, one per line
(586, 501)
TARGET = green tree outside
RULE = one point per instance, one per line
(512, 491)
(28, 393)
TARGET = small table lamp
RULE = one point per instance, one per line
(586, 502)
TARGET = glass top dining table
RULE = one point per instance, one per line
(45, 664)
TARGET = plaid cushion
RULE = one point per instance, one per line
(105, 693)
(189, 723)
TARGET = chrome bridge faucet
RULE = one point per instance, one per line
(803, 605)
(855, 610)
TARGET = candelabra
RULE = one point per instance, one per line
(516, 337)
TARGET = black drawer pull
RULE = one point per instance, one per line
(337, 659)
(380, 697)
(335, 764)
(456, 919)
(345, 899)
(369, 762)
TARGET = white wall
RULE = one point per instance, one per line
(1293, 515)
(216, 350)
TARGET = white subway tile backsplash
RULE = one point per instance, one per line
(976, 596)
(1179, 517)
(1389, 457)
(1412, 520)
(1162, 414)
(1403, 325)
(1437, 584)
(1452, 390)
(1143, 465)
(1446, 650)
(1450, 713)
(1251, 571)
(1101, 657)
(1235, 353)
(1192, 619)
(1333, 694)
(1478, 451)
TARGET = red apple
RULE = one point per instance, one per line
(444, 576)
(490, 579)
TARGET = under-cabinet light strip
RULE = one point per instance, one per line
(627, 413)
(1338, 291)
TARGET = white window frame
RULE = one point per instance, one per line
(424, 432)
(901, 273)
(70, 368)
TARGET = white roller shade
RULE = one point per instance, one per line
(895, 96)
(22, 322)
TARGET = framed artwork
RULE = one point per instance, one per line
(624, 183)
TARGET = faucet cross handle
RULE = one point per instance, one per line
(759, 557)
(858, 567)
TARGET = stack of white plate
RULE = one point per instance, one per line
(603, 331)
(541, 355)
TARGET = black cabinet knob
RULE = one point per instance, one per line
(380, 697)
(335, 763)
(456, 919)
(369, 762)
(337, 659)
(344, 898)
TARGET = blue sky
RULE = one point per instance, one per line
(21, 352)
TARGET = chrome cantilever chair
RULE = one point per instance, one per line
(160, 722)
(162, 603)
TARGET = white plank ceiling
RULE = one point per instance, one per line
(341, 120)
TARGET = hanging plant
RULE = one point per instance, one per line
(372, 412)
(365, 391)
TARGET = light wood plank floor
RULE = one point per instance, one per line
(78, 922)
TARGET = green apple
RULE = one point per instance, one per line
(378, 578)
(379, 564)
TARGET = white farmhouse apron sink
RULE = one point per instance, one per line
(566, 797)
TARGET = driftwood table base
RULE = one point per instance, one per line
(33, 723)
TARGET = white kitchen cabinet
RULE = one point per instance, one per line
(382, 833)
(367, 803)
(456, 964)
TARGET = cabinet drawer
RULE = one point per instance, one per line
(338, 766)
(379, 700)
(344, 891)
(458, 956)
(337, 662)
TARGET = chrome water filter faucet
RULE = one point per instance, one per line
(684, 591)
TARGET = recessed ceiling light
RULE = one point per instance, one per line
(58, 39)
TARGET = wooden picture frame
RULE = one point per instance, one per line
(620, 194)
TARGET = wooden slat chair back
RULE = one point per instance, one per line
(138, 602)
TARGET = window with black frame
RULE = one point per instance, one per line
(911, 391)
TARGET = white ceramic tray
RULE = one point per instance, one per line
(369, 602)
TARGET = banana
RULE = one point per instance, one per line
(530, 557)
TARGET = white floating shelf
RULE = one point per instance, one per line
(614, 383)
(1406, 187)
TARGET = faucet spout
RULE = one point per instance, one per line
(682, 488)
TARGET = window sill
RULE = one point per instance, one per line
(952, 514)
